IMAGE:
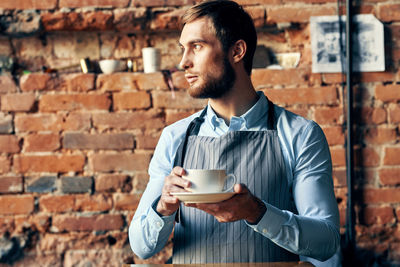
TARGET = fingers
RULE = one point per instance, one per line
(240, 189)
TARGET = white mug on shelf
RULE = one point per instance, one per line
(151, 59)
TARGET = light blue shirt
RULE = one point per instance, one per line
(314, 232)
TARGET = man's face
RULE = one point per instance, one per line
(207, 68)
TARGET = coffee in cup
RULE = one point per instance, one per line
(209, 181)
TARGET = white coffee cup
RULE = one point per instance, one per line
(151, 59)
(208, 181)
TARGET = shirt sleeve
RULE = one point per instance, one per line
(314, 231)
(149, 232)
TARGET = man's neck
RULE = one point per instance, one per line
(236, 102)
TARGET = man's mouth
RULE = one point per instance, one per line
(191, 78)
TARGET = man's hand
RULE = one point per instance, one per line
(243, 205)
(174, 182)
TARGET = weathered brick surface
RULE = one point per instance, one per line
(116, 141)
(50, 163)
(17, 102)
(131, 100)
(49, 103)
(103, 222)
(43, 184)
(75, 147)
(76, 185)
(34, 4)
(41, 142)
(9, 144)
(11, 204)
(119, 162)
(11, 184)
(7, 85)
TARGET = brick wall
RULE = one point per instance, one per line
(74, 148)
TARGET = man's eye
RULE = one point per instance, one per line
(197, 47)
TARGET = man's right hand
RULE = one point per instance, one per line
(174, 182)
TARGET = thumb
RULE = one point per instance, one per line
(240, 189)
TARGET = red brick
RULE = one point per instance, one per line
(389, 12)
(130, 19)
(334, 135)
(328, 115)
(77, 122)
(392, 156)
(262, 78)
(370, 115)
(130, 81)
(179, 80)
(35, 82)
(389, 177)
(93, 3)
(32, 4)
(308, 1)
(302, 13)
(49, 163)
(7, 84)
(131, 100)
(57, 204)
(140, 182)
(381, 195)
(88, 223)
(41, 142)
(77, 21)
(147, 141)
(321, 95)
(167, 19)
(126, 201)
(134, 120)
(17, 102)
(167, 100)
(257, 13)
(16, 204)
(78, 82)
(394, 114)
(366, 157)
(338, 157)
(98, 141)
(9, 144)
(369, 77)
(4, 164)
(93, 203)
(339, 177)
(377, 215)
(112, 183)
(7, 224)
(387, 93)
(333, 78)
(119, 162)
(148, 3)
(380, 135)
(174, 115)
(304, 112)
(11, 184)
(74, 102)
(38, 122)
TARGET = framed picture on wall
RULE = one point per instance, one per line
(328, 44)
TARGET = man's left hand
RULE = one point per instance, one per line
(242, 206)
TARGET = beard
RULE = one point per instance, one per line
(216, 87)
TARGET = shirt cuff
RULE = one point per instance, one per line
(157, 218)
(271, 223)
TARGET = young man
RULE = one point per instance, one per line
(284, 204)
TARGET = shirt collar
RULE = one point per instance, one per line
(251, 117)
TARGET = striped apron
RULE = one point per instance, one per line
(256, 160)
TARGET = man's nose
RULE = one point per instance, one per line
(186, 62)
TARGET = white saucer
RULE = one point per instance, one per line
(189, 197)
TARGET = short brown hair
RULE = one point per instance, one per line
(231, 23)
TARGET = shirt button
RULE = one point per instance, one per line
(264, 231)
(153, 241)
(158, 224)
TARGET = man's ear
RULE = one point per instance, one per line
(238, 50)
